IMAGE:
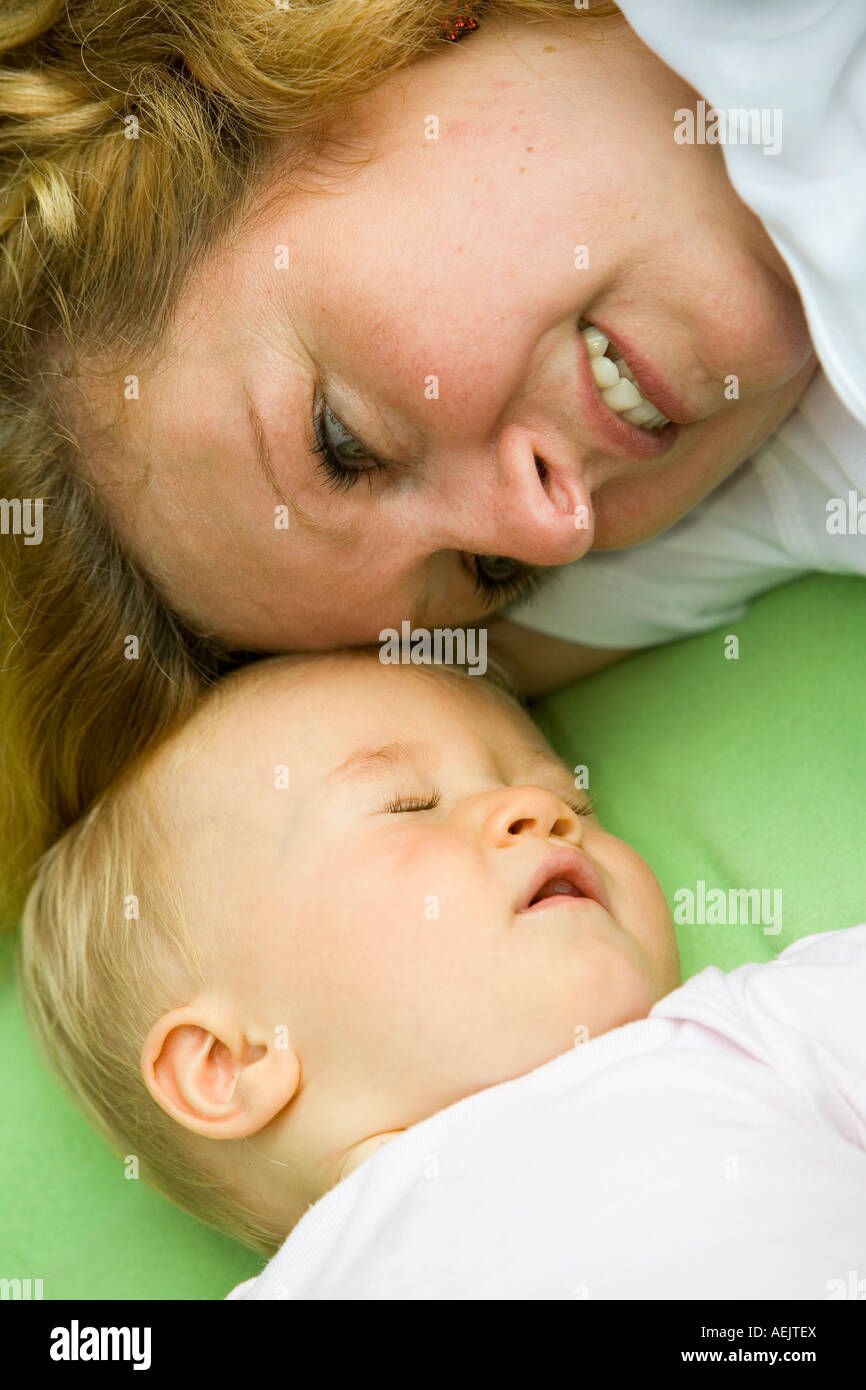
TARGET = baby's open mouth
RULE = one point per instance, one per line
(615, 381)
(556, 888)
(567, 873)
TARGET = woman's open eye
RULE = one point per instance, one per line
(414, 803)
(344, 459)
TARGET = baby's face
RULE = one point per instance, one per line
(398, 870)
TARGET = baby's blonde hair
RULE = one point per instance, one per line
(98, 233)
(105, 952)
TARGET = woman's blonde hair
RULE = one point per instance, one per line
(133, 134)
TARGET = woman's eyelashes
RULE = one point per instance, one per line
(501, 580)
(345, 461)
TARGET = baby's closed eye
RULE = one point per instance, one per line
(401, 804)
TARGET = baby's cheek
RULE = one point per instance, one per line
(389, 904)
(421, 883)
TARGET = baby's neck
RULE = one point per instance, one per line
(364, 1150)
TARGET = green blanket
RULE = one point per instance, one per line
(743, 774)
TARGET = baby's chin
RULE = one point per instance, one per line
(631, 997)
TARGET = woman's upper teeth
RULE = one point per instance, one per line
(614, 379)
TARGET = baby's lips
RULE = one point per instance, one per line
(572, 865)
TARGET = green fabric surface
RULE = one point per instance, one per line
(747, 773)
(744, 773)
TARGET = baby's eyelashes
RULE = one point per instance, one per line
(402, 804)
(581, 807)
(408, 803)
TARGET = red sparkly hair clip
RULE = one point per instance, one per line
(463, 19)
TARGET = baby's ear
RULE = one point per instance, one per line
(203, 1069)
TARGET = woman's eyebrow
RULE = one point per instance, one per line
(341, 535)
(371, 761)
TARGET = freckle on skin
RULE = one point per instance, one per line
(529, 149)
(522, 169)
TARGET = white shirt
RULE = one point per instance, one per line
(797, 505)
(807, 60)
(716, 1149)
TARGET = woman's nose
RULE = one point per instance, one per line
(504, 815)
(519, 503)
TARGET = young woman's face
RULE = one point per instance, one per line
(424, 291)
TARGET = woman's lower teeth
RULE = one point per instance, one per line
(616, 384)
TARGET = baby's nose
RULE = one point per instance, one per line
(512, 812)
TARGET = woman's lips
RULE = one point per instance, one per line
(650, 382)
(612, 433)
(569, 865)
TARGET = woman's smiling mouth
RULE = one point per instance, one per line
(615, 380)
(612, 433)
